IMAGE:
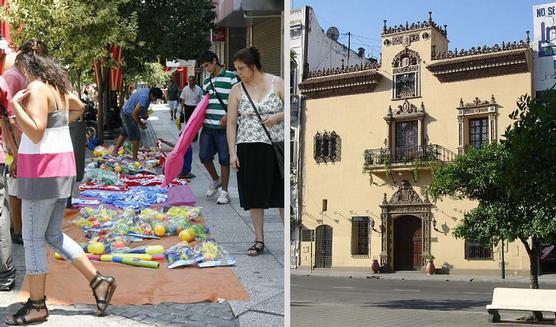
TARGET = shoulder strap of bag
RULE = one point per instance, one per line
(256, 111)
(217, 95)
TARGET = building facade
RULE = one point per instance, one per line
(311, 50)
(372, 135)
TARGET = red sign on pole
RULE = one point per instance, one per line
(116, 72)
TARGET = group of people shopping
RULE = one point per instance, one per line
(242, 121)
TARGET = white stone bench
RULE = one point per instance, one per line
(521, 299)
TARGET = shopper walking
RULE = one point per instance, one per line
(173, 93)
(46, 174)
(256, 108)
(213, 135)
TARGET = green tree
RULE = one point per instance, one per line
(77, 32)
(153, 75)
(482, 175)
(171, 29)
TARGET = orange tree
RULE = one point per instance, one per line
(512, 181)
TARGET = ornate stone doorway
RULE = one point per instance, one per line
(323, 250)
(408, 243)
(413, 222)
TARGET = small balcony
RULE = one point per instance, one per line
(406, 158)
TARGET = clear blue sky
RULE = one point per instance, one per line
(470, 22)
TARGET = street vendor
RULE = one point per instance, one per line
(133, 113)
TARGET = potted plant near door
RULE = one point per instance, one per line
(375, 266)
(430, 264)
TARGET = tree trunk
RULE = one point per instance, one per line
(533, 251)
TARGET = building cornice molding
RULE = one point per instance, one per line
(414, 27)
(495, 61)
(341, 81)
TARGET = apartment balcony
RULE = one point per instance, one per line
(406, 158)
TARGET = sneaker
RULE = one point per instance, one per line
(223, 197)
(213, 188)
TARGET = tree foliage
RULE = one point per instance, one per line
(77, 32)
(153, 75)
(512, 182)
(170, 29)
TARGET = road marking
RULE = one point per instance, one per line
(405, 290)
(477, 293)
(343, 287)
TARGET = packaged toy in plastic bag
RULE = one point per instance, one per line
(180, 255)
(213, 255)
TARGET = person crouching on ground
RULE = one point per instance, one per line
(135, 109)
(46, 174)
(259, 180)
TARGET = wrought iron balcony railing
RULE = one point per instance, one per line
(408, 155)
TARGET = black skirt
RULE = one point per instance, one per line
(259, 183)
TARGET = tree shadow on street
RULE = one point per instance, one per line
(424, 304)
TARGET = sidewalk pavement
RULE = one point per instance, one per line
(365, 273)
(262, 277)
(230, 225)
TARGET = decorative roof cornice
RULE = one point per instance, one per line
(343, 70)
(482, 50)
(489, 61)
(414, 27)
(341, 81)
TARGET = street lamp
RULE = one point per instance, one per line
(373, 227)
(434, 225)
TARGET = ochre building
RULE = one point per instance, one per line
(373, 135)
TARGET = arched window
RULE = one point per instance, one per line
(406, 74)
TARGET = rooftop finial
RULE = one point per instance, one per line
(527, 40)
(384, 28)
(446, 29)
(430, 16)
(342, 63)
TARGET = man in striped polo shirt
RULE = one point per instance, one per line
(213, 136)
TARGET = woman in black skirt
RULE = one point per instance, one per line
(251, 154)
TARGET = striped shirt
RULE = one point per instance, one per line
(46, 170)
(223, 84)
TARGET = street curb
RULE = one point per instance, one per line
(549, 280)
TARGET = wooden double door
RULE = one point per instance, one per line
(408, 243)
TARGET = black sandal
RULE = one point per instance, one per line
(256, 249)
(19, 319)
(102, 303)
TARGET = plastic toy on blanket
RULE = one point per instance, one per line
(101, 177)
(129, 223)
(180, 255)
(213, 255)
(94, 218)
(189, 212)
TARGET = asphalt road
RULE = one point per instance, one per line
(324, 301)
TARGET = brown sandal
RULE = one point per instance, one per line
(19, 319)
(102, 303)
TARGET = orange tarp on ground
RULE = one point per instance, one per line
(138, 285)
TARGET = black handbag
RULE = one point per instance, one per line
(277, 146)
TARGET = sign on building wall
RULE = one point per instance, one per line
(544, 45)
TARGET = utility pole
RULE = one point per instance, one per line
(503, 262)
(349, 46)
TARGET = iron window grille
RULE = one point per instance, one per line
(327, 147)
(360, 236)
(475, 250)
(478, 132)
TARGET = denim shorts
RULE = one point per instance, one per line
(214, 141)
(42, 222)
(130, 129)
